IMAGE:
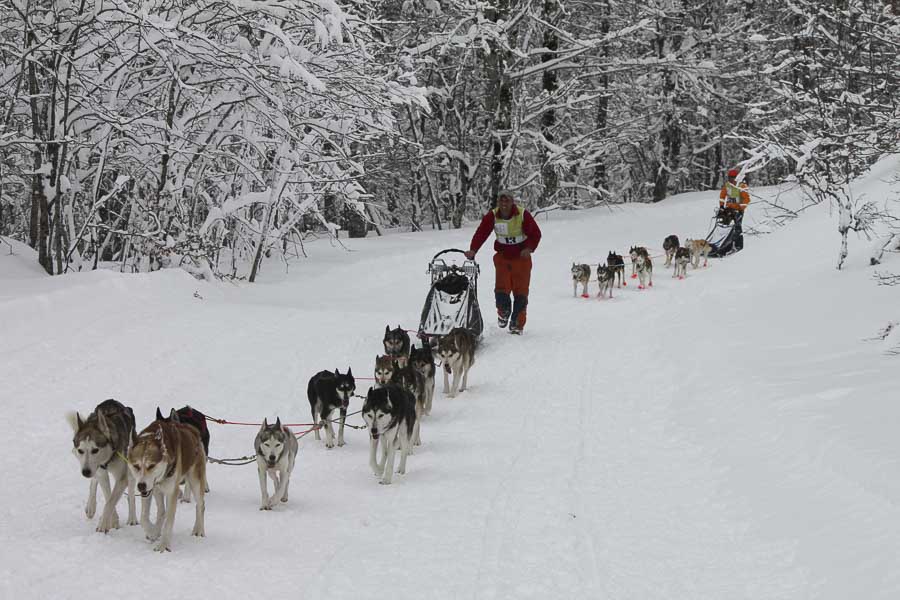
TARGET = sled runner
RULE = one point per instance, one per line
(452, 300)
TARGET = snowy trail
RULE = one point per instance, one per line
(690, 441)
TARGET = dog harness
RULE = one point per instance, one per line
(509, 231)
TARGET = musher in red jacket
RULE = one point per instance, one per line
(518, 236)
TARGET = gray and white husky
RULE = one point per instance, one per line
(101, 444)
(276, 453)
(605, 278)
(390, 414)
(580, 274)
(682, 258)
(422, 360)
(457, 353)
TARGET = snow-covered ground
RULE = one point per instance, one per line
(732, 435)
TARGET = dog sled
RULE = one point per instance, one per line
(726, 236)
(452, 300)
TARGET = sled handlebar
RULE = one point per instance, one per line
(463, 252)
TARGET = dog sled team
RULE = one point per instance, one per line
(172, 450)
(612, 274)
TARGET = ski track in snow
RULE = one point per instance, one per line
(706, 438)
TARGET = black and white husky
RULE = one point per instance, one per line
(101, 445)
(328, 392)
(396, 343)
(422, 360)
(390, 414)
(276, 452)
(617, 264)
(412, 381)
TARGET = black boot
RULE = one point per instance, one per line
(504, 307)
(519, 304)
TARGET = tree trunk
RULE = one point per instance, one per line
(550, 84)
(499, 100)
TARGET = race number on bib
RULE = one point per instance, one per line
(501, 228)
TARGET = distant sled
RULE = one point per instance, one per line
(452, 300)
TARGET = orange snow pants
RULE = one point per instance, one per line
(513, 276)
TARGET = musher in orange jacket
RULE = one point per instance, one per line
(735, 196)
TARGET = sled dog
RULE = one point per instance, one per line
(605, 278)
(699, 248)
(165, 454)
(328, 392)
(617, 264)
(390, 414)
(580, 274)
(276, 452)
(633, 253)
(101, 443)
(197, 420)
(411, 380)
(682, 258)
(384, 369)
(645, 270)
(422, 361)
(670, 245)
(457, 353)
(396, 343)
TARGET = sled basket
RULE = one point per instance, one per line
(722, 237)
(452, 300)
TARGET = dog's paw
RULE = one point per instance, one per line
(185, 500)
(162, 547)
(383, 482)
(132, 521)
(90, 510)
(284, 498)
(329, 445)
(341, 443)
(198, 531)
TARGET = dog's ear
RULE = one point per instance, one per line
(74, 420)
(387, 328)
(278, 423)
(102, 424)
(349, 372)
(173, 416)
(159, 416)
(336, 372)
(265, 423)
